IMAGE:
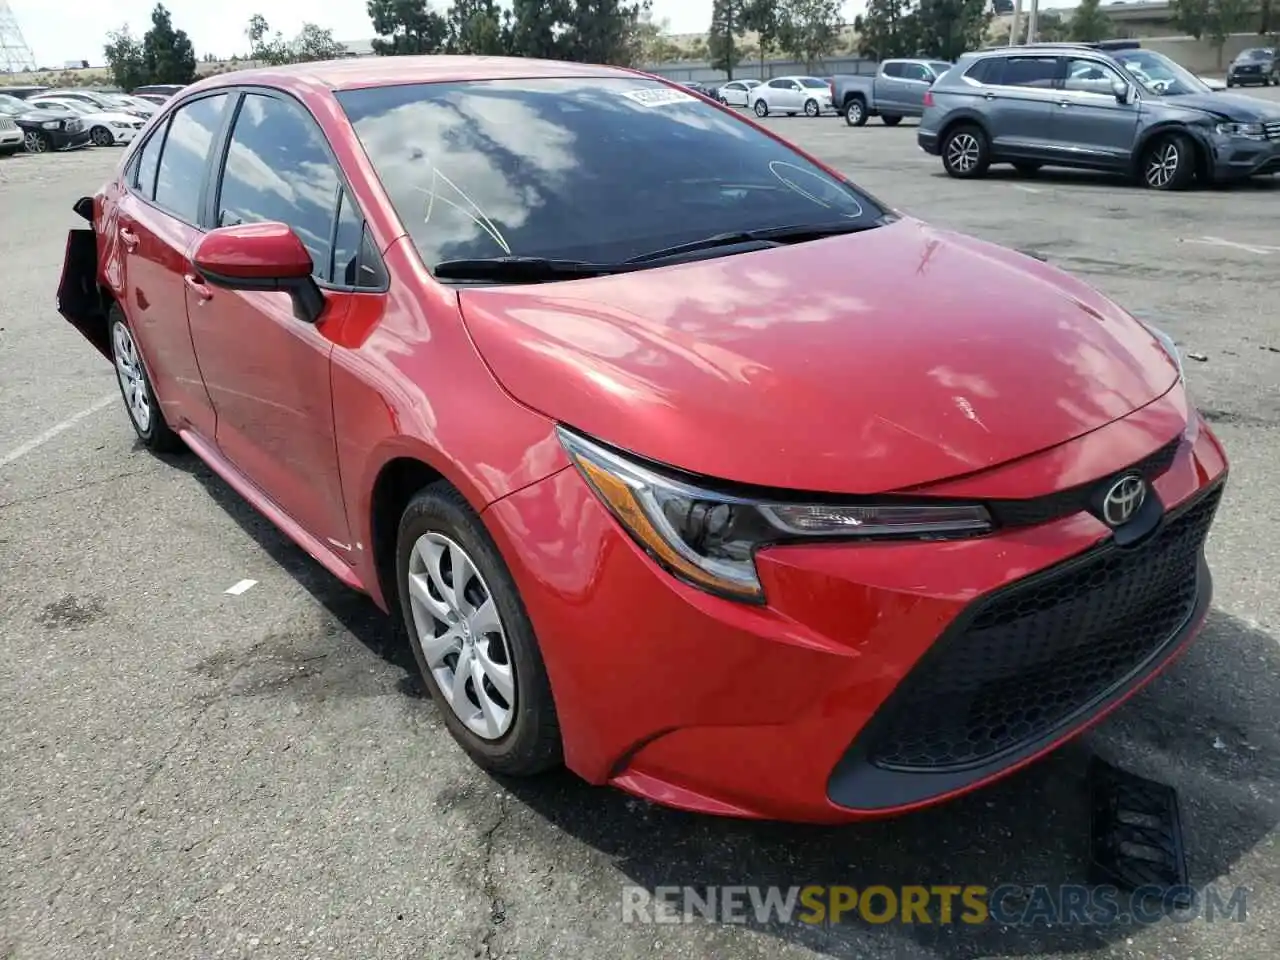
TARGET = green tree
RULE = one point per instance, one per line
(889, 29)
(167, 54)
(602, 31)
(1089, 23)
(124, 59)
(538, 28)
(1212, 19)
(406, 27)
(763, 17)
(1191, 16)
(722, 37)
(809, 29)
(316, 43)
(478, 27)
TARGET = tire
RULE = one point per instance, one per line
(437, 523)
(1168, 163)
(101, 137)
(37, 142)
(966, 154)
(135, 388)
(855, 112)
(1028, 168)
(761, 108)
(811, 108)
(890, 120)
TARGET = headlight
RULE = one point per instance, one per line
(1169, 347)
(51, 124)
(709, 538)
(1251, 131)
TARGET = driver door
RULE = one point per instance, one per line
(1089, 123)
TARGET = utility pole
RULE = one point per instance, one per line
(1031, 21)
(1017, 21)
(15, 55)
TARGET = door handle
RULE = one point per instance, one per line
(198, 287)
(129, 238)
(1064, 103)
(990, 96)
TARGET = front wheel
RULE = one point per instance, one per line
(965, 153)
(36, 142)
(855, 113)
(1169, 163)
(472, 638)
(890, 120)
(135, 387)
(101, 137)
(761, 108)
(811, 108)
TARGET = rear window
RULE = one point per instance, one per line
(581, 168)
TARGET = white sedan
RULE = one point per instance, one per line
(792, 95)
(736, 93)
(106, 127)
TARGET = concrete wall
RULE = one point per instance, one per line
(1200, 56)
(701, 71)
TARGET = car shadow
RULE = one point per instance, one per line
(1063, 176)
(1209, 726)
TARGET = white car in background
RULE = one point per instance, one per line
(106, 128)
(735, 93)
(792, 95)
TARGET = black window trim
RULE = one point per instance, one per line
(212, 191)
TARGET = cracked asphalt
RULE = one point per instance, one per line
(186, 773)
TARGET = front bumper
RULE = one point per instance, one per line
(1236, 158)
(719, 707)
(10, 138)
(1259, 76)
(62, 140)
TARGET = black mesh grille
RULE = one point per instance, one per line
(1031, 657)
(1064, 503)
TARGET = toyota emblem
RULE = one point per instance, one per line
(1124, 500)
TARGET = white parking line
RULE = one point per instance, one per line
(1260, 249)
(240, 587)
(21, 451)
(1018, 186)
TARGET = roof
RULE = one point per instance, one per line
(354, 72)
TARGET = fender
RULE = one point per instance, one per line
(964, 115)
(1197, 136)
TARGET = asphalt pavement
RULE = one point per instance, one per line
(186, 772)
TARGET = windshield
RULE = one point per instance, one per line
(12, 105)
(939, 66)
(1258, 53)
(1160, 75)
(53, 106)
(812, 82)
(599, 169)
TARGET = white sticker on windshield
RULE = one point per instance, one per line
(658, 96)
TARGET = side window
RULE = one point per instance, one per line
(1037, 72)
(893, 69)
(278, 168)
(144, 170)
(986, 72)
(780, 84)
(180, 172)
(1089, 76)
(914, 71)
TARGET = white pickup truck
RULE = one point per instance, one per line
(895, 91)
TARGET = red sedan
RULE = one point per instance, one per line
(684, 461)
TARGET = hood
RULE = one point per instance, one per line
(40, 115)
(855, 364)
(1229, 106)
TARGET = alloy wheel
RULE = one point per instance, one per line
(133, 382)
(963, 151)
(35, 142)
(461, 635)
(811, 108)
(853, 113)
(1162, 165)
(762, 108)
(101, 137)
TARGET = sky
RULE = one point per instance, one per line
(61, 30)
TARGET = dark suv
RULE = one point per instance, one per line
(44, 130)
(1255, 65)
(1125, 109)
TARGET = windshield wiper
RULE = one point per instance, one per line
(523, 269)
(792, 233)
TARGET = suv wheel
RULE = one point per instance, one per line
(855, 113)
(965, 152)
(1169, 163)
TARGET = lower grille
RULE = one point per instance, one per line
(6, 123)
(1272, 130)
(1035, 656)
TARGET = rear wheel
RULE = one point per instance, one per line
(472, 637)
(1169, 163)
(890, 120)
(761, 108)
(855, 112)
(101, 137)
(811, 108)
(36, 142)
(135, 387)
(965, 153)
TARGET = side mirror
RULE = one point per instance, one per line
(1121, 91)
(261, 256)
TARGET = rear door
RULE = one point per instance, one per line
(1020, 95)
(915, 81)
(889, 86)
(267, 372)
(155, 228)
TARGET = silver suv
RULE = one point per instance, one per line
(1131, 111)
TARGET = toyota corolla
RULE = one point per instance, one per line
(683, 460)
